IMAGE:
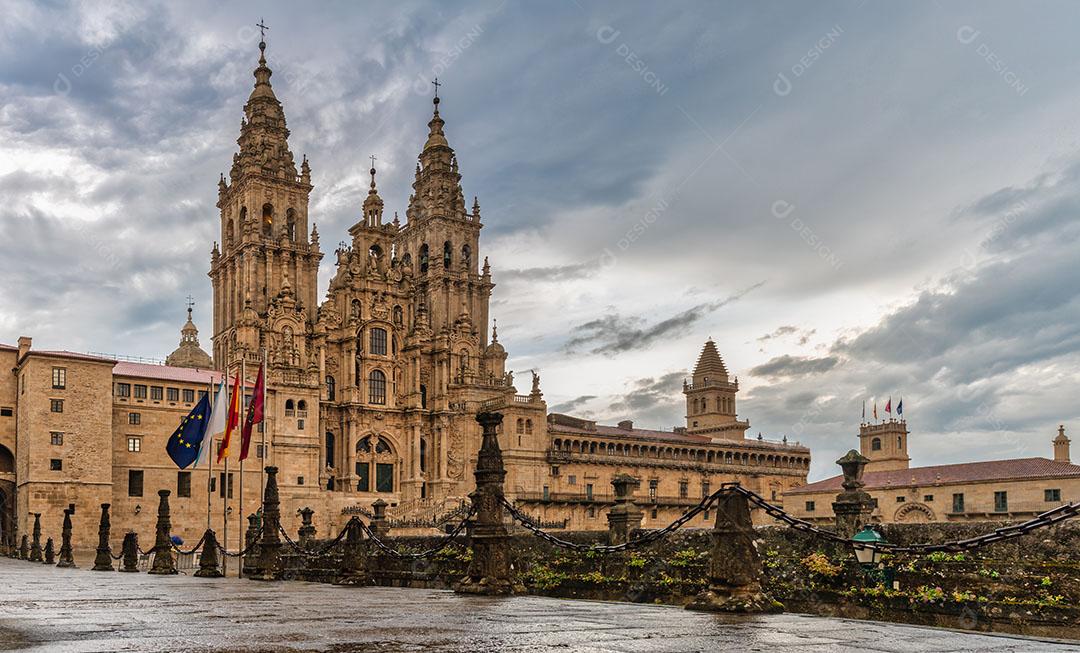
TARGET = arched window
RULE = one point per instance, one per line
(466, 257)
(899, 442)
(423, 258)
(267, 220)
(7, 461)
(377, 387)
(301, 408)
(290, 408)
(520, 425)
(330, 450)
(290, 224)
(406, 260)
(446, 254)
(528, 427)
(423, 455)
(229, 229)
(374, 452)
(875, 444)
(378, 341)
(399, 316)
(423, 396)
(330, 388)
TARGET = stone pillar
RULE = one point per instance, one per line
(853, 507)
(269, 565)
(734, 565)
(103, 559)
(24, 548)
(624, 517)
(354, 568)
(307, 530)
(50, 552)
(251, 545)
(208, 559)
(164, 560)
(65, 543)
(35, 544)
(378, 522)
(130, 550)
(489, 571)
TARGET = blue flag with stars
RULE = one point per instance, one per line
(183, 444)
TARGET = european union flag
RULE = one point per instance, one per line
(183, 444)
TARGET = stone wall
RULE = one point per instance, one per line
(1029, 585)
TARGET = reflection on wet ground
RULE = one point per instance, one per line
(76, 610)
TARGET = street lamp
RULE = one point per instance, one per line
(864, 542)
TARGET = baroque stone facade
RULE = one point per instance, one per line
(372, 393)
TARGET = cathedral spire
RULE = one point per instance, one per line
(373, 204)
(709, 364)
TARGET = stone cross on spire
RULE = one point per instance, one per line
(190, 304)
(436, 84)
(262, 29)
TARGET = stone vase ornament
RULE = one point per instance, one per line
(208, 559)
(130, 552)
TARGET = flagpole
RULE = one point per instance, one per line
(243, 402)
(210, 469)
(262, 462)
(225, 487)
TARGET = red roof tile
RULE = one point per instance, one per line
(166, 372)
(557, 426)
(990, 470)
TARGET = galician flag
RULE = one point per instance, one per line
(217, 421)
(232, 419)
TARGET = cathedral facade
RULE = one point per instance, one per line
(372, 391)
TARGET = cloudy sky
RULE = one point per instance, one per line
(855, 200)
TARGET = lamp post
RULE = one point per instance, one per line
(864, 543)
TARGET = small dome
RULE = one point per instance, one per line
(189, 353)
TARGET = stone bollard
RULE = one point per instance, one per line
(269, 564)
(307, 530)
(130, 552)
(65, 543)
(734, 564)
(35, 545)
(208, 559)
(164, 560)
(354, 568)
(24, 548)
(249, 562)
(489, 571)
(50, 552)
(624, 517)
(378, 524)
(853, 507)
(103, 559)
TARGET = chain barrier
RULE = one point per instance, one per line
(449, 538)
(237, 554)
(192, 550)
(322, 549)
(119, 556)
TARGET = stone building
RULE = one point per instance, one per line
(371, 393)
(994, 490)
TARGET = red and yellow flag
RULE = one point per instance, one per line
(254, 414)
(232, 419)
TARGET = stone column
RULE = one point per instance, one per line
(489, 571)
(251, 545)
(130, 550)
(164, 560)
(208, 559)
(50, 552)
(269, 565)
(103, 559)
(354, 568)
(307, 530)
(378, 522)
(853, 507)
(65, 543)
(734, 565)
(624, 517)
(35, 544)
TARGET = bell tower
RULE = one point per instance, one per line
(266, 256)
(710, 398)
(885, 444)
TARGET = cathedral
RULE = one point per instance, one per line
(372, 391)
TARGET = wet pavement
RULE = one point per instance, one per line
(76, 610)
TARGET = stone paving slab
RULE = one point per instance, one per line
(79, 611)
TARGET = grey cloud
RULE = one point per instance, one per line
(788, 366)
(548, 274)
(573, 404)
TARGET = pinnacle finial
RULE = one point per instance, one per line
(494, 330)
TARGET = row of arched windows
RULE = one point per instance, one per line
(683, 454)
(267, 225)
(724, 405)
(447, 256)
(524, 426)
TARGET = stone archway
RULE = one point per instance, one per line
(914, 513)
(7, 512)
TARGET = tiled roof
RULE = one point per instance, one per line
(557, 426)
(709, 363)
(990, 470)
(166, 373)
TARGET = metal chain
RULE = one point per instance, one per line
(322, 549)
(237, 554)
(449, 538)
(193, 549)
